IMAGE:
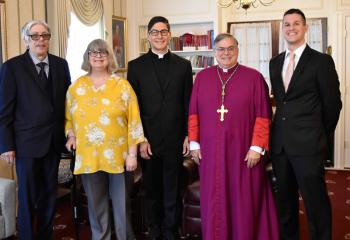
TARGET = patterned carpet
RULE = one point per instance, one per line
(338, 189)
(338, 183)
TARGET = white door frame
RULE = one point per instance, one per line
(346, 92)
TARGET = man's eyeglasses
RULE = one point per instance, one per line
(98, 53)
(155, 32)
(230, 49)
(36, 37)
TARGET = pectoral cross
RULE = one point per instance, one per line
(222, 111)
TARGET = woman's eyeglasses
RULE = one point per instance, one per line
(98, 53)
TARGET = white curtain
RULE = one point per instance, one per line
(89, 12)
(314, 36)
(255, 45)
(79, 38)
(63, 21)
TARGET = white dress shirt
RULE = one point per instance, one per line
(297, 56)
(36, 61)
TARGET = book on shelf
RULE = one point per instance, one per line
(210, 36)
(186, 42)
(200, 61)
(191, 42)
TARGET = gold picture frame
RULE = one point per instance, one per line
(119, 40)
(3, 43)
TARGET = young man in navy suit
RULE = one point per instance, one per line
(32, 105)
(306, 89)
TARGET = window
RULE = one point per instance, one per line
(316, 36)
(79, 37)
(255, 45)
(259, 41)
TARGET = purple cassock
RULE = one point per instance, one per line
(236, 201)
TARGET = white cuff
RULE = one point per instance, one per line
(194, 145)
(258, 149)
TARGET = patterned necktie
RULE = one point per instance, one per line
(289, 71)
(42, 75)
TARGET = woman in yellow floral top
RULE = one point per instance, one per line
(103, 124)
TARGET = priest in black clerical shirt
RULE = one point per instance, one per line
(163, 84)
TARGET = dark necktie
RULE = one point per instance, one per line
(42, 75)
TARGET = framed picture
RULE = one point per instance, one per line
(3, 48)
(119, 37)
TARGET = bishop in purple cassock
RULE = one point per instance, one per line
(229, 122)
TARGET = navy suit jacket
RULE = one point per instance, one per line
(307, 114)
(30, 119)
(163, 107)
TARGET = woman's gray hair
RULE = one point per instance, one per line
(99, 45)
(28, 26)
(222, 36)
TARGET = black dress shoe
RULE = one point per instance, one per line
(154, 233)
(170, 235)
(154, 238)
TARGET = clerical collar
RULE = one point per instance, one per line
(226, 70)
(160, 55)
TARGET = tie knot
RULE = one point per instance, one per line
(291, 55)
(41, 65)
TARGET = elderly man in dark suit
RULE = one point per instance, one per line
(306, 89)
(32, 106)
(163, 84)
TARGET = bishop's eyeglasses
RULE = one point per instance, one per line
(155, 32)
(229, 49)
(36, 36)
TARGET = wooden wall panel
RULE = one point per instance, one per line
(25, 13)
(18, 12)
(177, 11)
(13, 36)
(343, 4)
(118, 8)
(39, 9)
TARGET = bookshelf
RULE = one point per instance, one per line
(192, 41)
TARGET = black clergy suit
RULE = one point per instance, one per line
(306, 116)
(163, 93)
(32, 125)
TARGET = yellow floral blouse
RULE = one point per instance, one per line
(105, 122)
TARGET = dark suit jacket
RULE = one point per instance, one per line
(164, 110)
(307, 114)
(30, 119)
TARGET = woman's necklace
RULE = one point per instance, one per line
(222, 109)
